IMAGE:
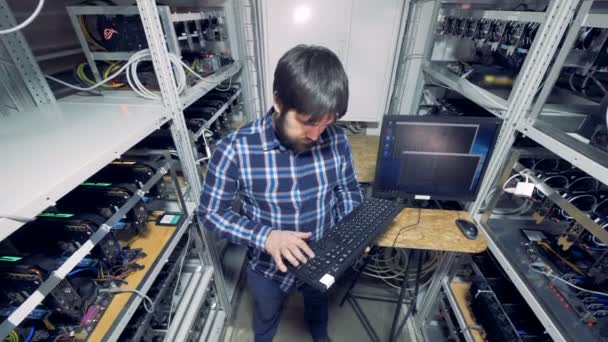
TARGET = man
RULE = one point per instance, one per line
(294, 174)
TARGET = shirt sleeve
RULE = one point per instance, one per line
(219, 191)
(348, 192)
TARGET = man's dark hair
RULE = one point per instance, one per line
(311, 80)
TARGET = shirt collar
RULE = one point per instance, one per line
(270, 140)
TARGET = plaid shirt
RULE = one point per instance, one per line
(278, 189)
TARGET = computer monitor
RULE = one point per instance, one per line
(434, 157)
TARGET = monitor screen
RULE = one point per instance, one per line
(434, 157)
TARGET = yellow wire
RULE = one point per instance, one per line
(80, 72)
(87, 35)
(109, 70)
(573, 266)
(12, 337)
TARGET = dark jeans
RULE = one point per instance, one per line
(269, 298)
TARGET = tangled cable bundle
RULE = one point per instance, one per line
(133, 79)
(390, 265)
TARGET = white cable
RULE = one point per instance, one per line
(225, 89)
(179, 274)
(133, 79)
(510, 190)
(550, 274)
(111, 77)
(17, 218)
(391, 264)
(207, 150)
(187, 67)
(26, 21)
(146, 301)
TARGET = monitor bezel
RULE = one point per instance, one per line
(460, 197)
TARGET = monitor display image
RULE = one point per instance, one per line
(434, 157)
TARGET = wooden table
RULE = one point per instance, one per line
(365, 152)
(421, 229)
(153, 242)
(430, 229)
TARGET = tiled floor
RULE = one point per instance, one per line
(343, 326)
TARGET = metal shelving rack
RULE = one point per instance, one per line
(54, 145)
(522, 113)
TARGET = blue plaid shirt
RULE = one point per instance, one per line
(278, 189)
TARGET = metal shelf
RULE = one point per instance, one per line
(597, 19)
(217, 115)
(192, 299)
(190, 16)
(123, 318)
(522, 16)
(58, 275)
(504, 240)
(203, 87)
(458, 312)
(214, 326)
(493, 103)
(589, 159)
(50, 150)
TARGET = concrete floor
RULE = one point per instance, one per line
(343, 325)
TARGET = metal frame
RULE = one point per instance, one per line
(569, 41)
(415, 48)
(121, 322)
(217, 114)
(429, 300)
(30, 74)
(447, 290)
(61, 273)
(23, 59)
(191, 301)
(543, 49)
(563, 19)
(75, 11)
(162, 67)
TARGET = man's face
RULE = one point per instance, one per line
(300, 132)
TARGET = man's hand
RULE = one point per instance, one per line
(289, 245)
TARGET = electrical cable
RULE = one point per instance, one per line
(389, 265)
(546, 246)
(408, 227)
(207, 150)
(133, 80)
(26, 21)
(536, 267)
(30, 336)
(17, 218)
(225, 89)
(146, 301)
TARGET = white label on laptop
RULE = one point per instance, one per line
(422, 197)
(327, 280)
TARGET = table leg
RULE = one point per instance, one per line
(357, 275)
(367, 325)
(412, 306)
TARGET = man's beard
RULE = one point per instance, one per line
(292, 144)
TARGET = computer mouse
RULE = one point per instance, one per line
(468, 228)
